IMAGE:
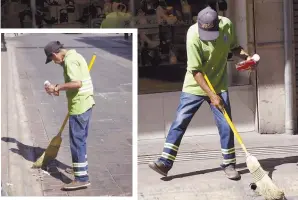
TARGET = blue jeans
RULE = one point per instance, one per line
(189, 105)
(78, 132)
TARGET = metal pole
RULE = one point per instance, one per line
(33, 10)
(230, 64)
(132, 7)
(290, 109)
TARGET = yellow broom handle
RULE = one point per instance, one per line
(66, 117)
(237, 135)
(92, 62)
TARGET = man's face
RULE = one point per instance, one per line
(57, 58)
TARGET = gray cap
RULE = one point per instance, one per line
(50, 48)
(208, 23)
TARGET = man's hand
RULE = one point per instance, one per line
(214, 98)
(253, 67)
(50, 89)
(240, 53)
(217, 102)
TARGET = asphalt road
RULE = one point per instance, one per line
(110, 138)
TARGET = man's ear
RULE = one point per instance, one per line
(55, 55)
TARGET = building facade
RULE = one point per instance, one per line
(264, 101)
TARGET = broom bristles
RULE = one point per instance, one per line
(39, 161)
(269, 190)
(49, 154)
(265, 185)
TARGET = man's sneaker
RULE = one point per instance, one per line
(159, 167)
(231, 172)
(76, 185)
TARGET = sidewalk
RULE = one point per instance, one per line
(196, 173)
(39, 117)
(16, 173)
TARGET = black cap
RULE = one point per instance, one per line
(50, 48)
(208, 23)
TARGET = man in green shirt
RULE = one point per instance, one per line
(209, 42)
(79, 91)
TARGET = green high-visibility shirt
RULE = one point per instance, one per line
(76, 69)
(215, 52)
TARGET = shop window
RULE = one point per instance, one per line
(60, 13)
(162, 54)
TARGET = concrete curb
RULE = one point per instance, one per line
(20, 172)
(3, 191)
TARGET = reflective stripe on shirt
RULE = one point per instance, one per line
(87, 86)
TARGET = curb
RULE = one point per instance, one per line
(22, 183)
(3, 192)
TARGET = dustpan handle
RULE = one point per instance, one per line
(67, 116)
(237, 135)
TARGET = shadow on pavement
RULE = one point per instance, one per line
(26, 151)
(268, 165)
(76, 189)
(98, 42)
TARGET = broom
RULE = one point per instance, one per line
(52, 150)
(264, 184)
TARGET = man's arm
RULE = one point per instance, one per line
(64, 86)
(240, 53)
(214, 98)
(69, 86)
(199, 77)
(72, 71)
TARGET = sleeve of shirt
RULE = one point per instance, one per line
(73, 71)
(234, 39)
(194, 61)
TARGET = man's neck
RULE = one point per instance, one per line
(63, 53)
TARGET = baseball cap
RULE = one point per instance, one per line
(50, 48)
(208, 24)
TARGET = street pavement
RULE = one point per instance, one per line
(31, 118)
(196, 174)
